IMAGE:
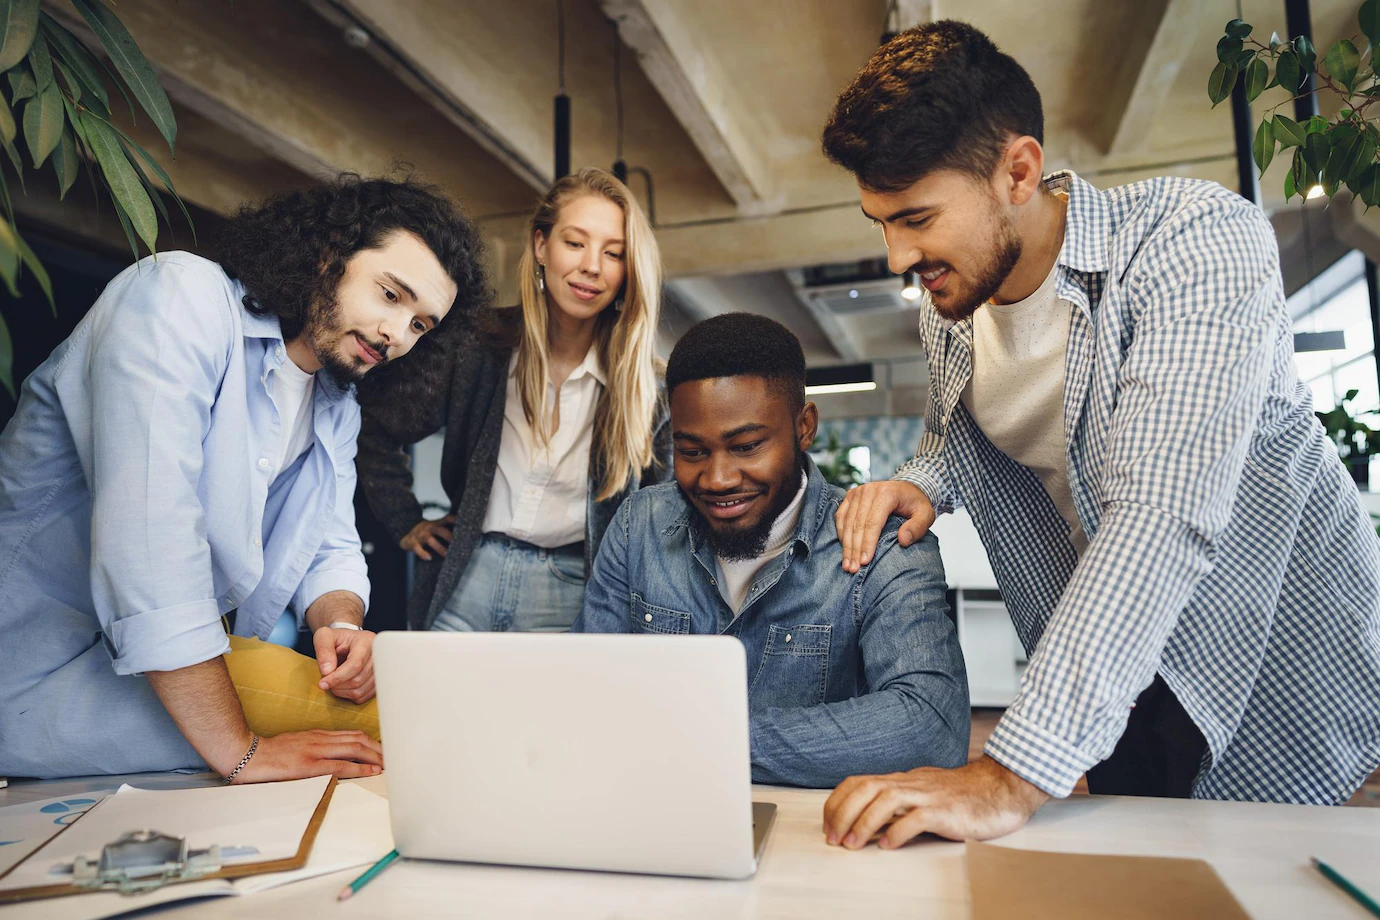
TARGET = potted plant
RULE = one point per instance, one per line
(1356, 441)
(834, 464)
(56, 105)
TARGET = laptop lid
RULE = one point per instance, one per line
(611, 752)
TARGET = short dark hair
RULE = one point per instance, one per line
(939, 96)
(740, 344)
(290, 250)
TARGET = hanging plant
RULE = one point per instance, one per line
(57, 100)
(1329, 153)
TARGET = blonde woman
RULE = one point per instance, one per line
(552, 412)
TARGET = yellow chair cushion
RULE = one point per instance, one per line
(278, 690)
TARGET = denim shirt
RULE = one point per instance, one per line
(138, 504)
(847, 674)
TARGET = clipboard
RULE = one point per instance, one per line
(238, 870)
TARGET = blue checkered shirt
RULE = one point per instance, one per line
(1229, 549)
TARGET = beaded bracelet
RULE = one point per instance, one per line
(253, 746)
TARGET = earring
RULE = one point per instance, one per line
(618, 305)
(541, 277)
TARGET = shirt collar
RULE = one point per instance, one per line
(590, 365)
(1088, 226)
(266, 328)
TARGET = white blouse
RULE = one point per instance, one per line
(539, 495)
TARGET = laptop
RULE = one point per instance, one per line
(619, 753)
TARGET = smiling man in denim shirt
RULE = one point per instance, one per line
(846, 673)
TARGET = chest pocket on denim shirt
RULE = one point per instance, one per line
(649, 618)
(794, 669)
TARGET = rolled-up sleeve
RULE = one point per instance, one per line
(153, 366)
(339, 564)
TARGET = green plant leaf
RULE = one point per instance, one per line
(1287, 71)
(125, 188)
(1288, 132)
(7, 126)
(41, 63)
(22, 85)
(69, 80)
(73, 53)
(132, 66)
(1354, 156)
(1220, 82)
(18, 26)
(1369, 20)
(1289, 190)
(1238, 29)
(9, 257)
(1315, 151)
(1308, 55)
(66, 162)
(43, 120)
(1370, 186)
(127, 227)
(149, 187)
(1316, 125)
(1274, 41)
(1257, 75)
(1227, 49)
(1244, 58)
(1305, 177)
(32, 263)
(1342, 62)
(16, 162)
(1264, 146)
(162, 175)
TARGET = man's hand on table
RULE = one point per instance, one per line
(297, 755)
(978, 801)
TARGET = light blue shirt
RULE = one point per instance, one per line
(138, 505)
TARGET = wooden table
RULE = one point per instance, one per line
(1261, 852)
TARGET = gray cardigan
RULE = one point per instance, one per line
(470, 405)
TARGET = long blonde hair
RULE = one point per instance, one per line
(626, 339)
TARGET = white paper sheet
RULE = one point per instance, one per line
(354, 835)
(262, 822)
(26, 827)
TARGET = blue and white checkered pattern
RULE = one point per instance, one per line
(1229, 552)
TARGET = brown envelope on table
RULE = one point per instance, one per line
(1034, 885)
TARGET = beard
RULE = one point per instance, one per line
(324, 333)
(988, 281)
(741, 544)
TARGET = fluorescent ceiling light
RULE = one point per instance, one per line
(826, 388)
(911, 291)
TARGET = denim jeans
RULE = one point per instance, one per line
(512, 586)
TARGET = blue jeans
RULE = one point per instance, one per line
(511, 585)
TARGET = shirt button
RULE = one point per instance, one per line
(647, 617)
(263, 463)
(278, 351)
(259, 542)
(788, 637)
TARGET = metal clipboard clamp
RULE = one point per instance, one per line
(142, 861)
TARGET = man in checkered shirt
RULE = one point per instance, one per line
(1113, 397)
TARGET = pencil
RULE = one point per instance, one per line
(1340, 881)
(368, 876)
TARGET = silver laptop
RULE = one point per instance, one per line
(610, 752)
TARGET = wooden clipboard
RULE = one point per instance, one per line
(241, 870)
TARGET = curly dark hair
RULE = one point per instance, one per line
(290, 250)
(939, 96)
(738, 344)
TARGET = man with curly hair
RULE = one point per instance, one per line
(188, 452)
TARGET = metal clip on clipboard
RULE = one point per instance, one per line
(142, 861)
